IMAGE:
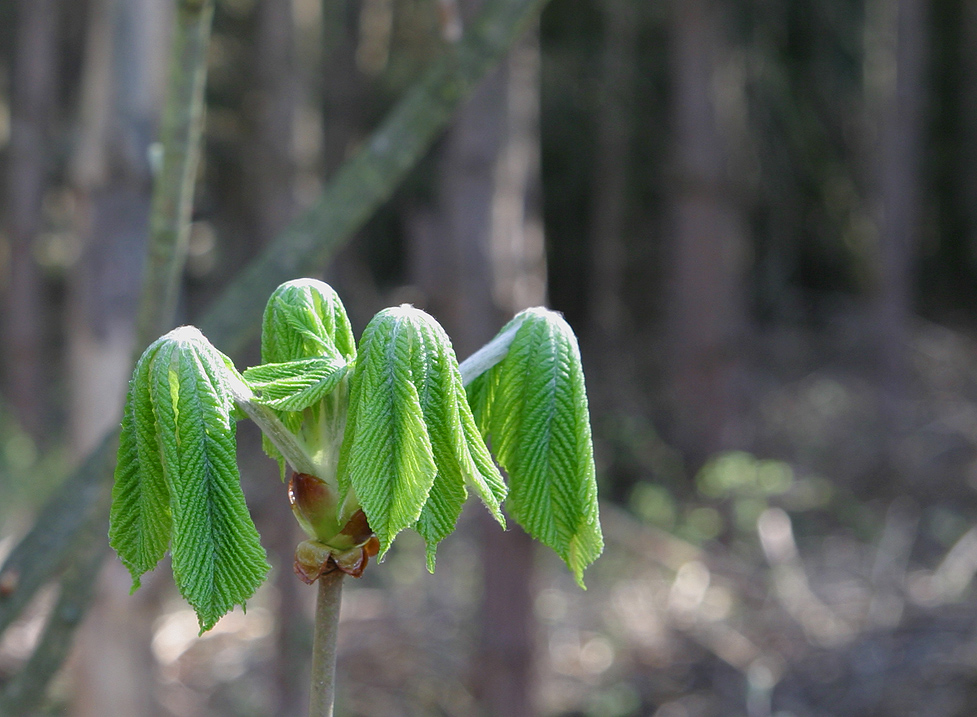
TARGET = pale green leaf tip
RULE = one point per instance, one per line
(582, 557)
(578, 571)
(186, 333)
(385, 544)
(496, 513)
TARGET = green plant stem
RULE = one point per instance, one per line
(490, 354)
(272, 427)
(323, 692)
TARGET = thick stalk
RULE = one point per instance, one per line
(323, 692)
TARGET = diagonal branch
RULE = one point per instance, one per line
(370, 177)
(25, 692)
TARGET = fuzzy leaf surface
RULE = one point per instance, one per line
(140, 519)
(533, 407)
(386, 456)
(218, 560)
(460, 455)
(182, 417)
(296, 385)
(305, 318)
(412, 447)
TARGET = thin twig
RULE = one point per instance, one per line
(323, 692)
(180, 132)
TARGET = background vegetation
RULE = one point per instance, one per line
(759, 217)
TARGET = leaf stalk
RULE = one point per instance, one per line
(272, 427)
(491, 353)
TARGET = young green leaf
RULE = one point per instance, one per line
(460, 454)
(386, 456)
(140, 520)
(305, 318)
(181, 415)
(296, 385)
(411, 443)
(533, 406)
(218, 560)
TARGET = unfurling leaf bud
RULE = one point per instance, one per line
(314, 504)
(313, 559)
(331, 547)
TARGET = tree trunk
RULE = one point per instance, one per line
(272, 160)
(272, 178)
(32, 106)
(707, 319)
(345, 96)
(968, 165)
(343, 88)
(479, 258)
(607, 313)
(898, 162)
(121, 98)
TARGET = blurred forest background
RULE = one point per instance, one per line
(760, 216)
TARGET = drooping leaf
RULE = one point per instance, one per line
(533, 407)
(405, 350)
(460, 454)
(430, 368)
(485, 479)
(479, 394)
(296, 385)
(386, 456)
(181, 415)
(218, 561)
(140, 519)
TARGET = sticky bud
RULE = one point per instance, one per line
(314, 506)
(330, 547)
(313, 559)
